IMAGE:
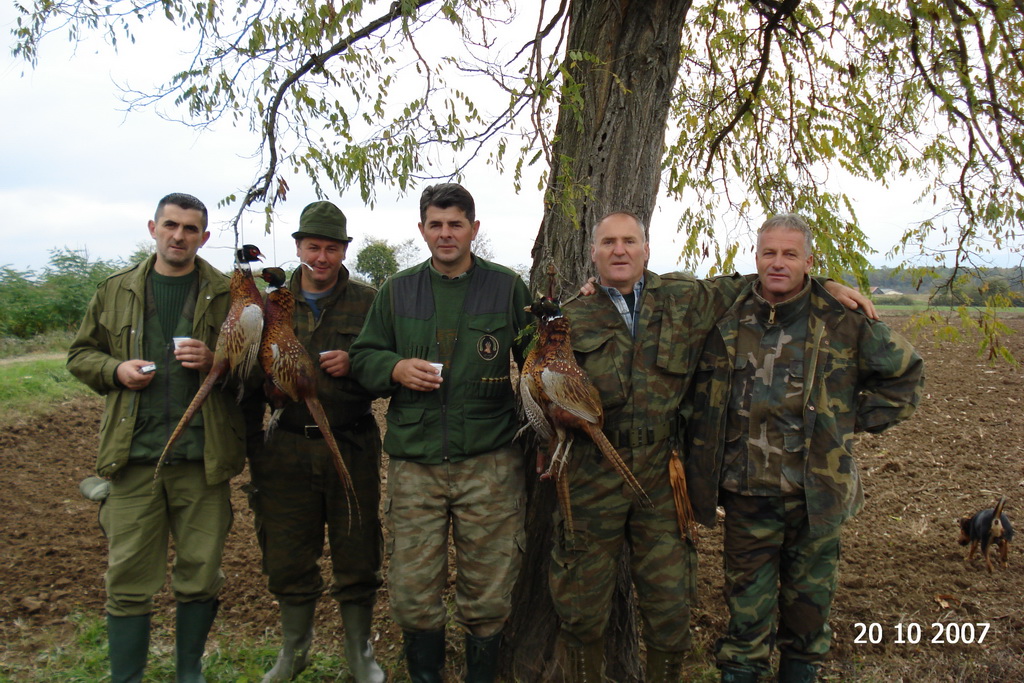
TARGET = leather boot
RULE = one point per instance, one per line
(358, 649)
(738, 674)
(482, 658)
(424, 656)
(664, 667)
(128, 638)
(296, 639)
(192, 625)
(586, 662)
(797, 671)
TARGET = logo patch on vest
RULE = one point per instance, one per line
(487, 347)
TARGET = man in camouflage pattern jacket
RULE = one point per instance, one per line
(296, 494)
(639, 340)
(784, 382)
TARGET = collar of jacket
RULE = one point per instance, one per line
(207, 277)
(295, 285)
(821, 302)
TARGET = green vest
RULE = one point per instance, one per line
(474, 411)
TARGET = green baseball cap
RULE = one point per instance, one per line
(322, 219)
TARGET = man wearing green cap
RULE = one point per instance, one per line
(295, 489)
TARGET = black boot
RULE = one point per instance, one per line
(424, 655)
(482, 658)
(738, 674)
(664, 667)
(797, 671)
(129, 647)
(192, 626)
(586, 662)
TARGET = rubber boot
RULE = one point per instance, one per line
(586, 662)
(482, 658)
(797, 671)
(424, 656)
(358, 649)
(193, 622)
(664, 667)
(129, 647)
(296, 639)
(738, 674)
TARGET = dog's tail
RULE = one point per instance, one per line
(997, 519)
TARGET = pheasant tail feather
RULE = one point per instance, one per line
(197, 401)
(320, 417)
(609, 452)
(684, 508)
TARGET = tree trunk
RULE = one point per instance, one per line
(608, 148)
(606, 157)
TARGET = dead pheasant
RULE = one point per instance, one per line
(559, 399)
(291, 375)
(238, 344)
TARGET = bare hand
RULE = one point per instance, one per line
(129, 376)
(416, 374)
(334, 363)
(589, 287)
(194, 354)
(852, 299)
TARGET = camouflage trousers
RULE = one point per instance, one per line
(773, 566)
(296, 493)
(606, 516)
(482, 500)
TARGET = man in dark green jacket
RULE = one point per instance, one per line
(130, 324)
(786, 379)
(296, 491)
(449, 435)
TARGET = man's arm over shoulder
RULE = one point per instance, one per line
(374, 353)
(892, 377)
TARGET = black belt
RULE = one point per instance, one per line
(313, 432)
(641, 436)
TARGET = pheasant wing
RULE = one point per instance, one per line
(569, 388)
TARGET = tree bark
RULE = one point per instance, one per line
(607, 149)
(606, 157)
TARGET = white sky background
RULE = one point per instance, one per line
(79, 172)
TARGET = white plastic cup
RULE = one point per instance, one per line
(438, 367)
(179, 340)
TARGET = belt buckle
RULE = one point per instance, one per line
(636, 437)
(311, 432)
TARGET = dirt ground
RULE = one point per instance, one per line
(908, 607)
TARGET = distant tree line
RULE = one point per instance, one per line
(54, 299)
(944, 287)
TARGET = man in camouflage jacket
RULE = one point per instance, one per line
(784, 382)
(639, 340)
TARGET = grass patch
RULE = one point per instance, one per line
(48, 342)
(32, 386)
(228, 657)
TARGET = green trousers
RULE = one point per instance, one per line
(138, 519)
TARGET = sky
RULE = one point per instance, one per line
(80, 172)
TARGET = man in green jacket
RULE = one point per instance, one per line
(129, 325)
(296, 491)
(449, 435)
(786, 379)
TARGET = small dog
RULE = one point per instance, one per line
(988, 528)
